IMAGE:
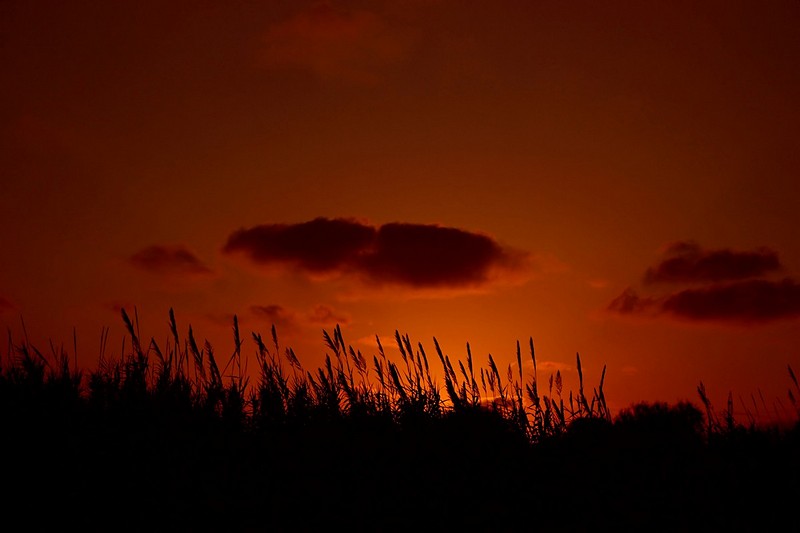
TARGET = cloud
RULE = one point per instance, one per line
(732, 287)
(426, 255)
(289, 320)
(412, 255)
(346, 45)
(630, 303)
(169, 260)
(327, 316)
(282, 318)
(749, 301)
(688, 262)
(319, 246)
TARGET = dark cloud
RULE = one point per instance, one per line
(415, 255)
(175, 260)
(732, 287)
(423, 256)
(688, 262)
(749, 301)
(319, 246)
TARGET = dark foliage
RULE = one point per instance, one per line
(169, 440)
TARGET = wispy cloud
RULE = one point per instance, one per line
(630, 303)
(326, 315)
(290, 320)
(169, 260)
(284, 320)
(351, 45)
(412, 255)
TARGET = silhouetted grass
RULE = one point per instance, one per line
(174, 437)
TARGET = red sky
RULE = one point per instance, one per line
(614, 179)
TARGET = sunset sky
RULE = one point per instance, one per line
(615, 179)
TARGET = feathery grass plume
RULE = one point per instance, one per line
(379, 371)
(604, 411)
(730, 421)
(475, 393)
(583, 404)
(380, 347)
(398, 386)
(407, 343)
(294, 362)
(162, 369)
(398, 339)
(424, 359)
(235, 360)
(274, 333)
(132, 332)
(792, 398)
(199, 365)
(153, 346)
(330, 343)
(571, 405)
(337, 332)
(469, 362)
(428, 379)
(520, 414)
(216, 375)
(463, 370)
(419, 371)
(173, 327)
(500, 388)
(261, 353)
(406, 352)
(448, 376)
(450, 369)
(712, 425)
(270, 401)
(182, 356)
(538, 428)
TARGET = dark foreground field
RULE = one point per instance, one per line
(165, 439)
